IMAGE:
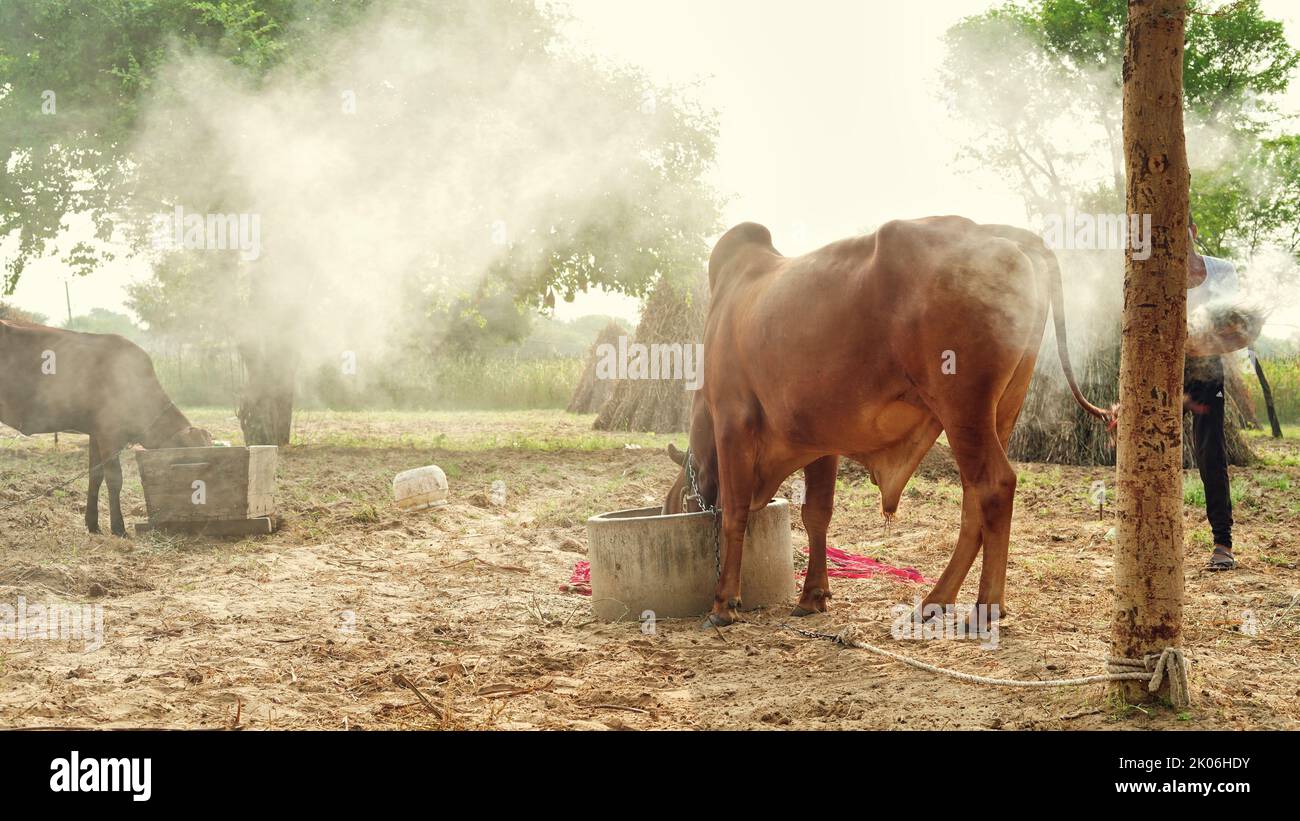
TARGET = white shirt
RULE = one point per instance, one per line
(1220, 283)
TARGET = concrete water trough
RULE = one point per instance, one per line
(641, 560)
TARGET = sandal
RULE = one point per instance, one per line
(1221, 560)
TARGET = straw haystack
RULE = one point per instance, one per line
(592, 393)
(674, 315)
(1053, 428)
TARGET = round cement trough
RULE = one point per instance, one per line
(641, 560)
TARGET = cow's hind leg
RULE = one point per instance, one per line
(819, 500)
(979, 442)
(96, 479)
(969, 541)
(988, 492)
(993, 570)
(988, 475)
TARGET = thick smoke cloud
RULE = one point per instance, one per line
(1059, 136)
(403, 162)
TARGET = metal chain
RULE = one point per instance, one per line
(706, 508)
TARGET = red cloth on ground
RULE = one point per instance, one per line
(840, 564)
(580, 581)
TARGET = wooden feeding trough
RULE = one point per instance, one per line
(213, 491)
(642, 560)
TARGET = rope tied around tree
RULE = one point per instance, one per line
(1171, 661)
(1153, 668)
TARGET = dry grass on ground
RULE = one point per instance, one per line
(338, 619)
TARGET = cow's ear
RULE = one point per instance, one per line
(676, 455)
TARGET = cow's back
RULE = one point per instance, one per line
(21, 362)
(864, 322)
(932, 267)
(57, 380)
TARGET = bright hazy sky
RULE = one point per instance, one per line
(829, 119)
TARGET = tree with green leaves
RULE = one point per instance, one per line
(104, 321)
(73, 74)
(18, 315)
(482, 171)
(1027, 71)
(1040, 82)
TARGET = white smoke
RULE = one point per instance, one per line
(404, 163)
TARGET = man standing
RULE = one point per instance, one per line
(1211, 280)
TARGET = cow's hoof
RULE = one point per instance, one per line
(713, 620)
(92, 530)
(927, 612)
(814, 601)
(724, 616)
(973, 626)
(987, 614)
(800, 611)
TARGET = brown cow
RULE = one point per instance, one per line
(869, 348)
(53, 380)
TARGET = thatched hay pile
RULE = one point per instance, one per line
(592, 393)
(674, 314)
(1053, 428)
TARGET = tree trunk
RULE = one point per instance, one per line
(266, 402)
(1242, 406)
(1149, 473)
(1268, 395)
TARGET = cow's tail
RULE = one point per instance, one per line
(1062, 343)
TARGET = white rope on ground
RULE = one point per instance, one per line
(1171, 662)
(1152, 668)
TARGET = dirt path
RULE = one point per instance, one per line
(337, 620)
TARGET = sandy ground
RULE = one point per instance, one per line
(358, 616)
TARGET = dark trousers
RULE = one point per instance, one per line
(1204, 387)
